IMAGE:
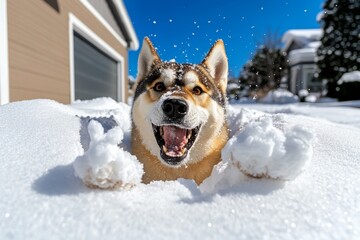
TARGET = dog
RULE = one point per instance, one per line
(179, 115)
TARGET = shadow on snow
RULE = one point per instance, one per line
(59, 180)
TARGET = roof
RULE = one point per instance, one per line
(304, 55)
(301, 36)
(125, 23)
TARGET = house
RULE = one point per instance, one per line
(300, 46)
(64, 50)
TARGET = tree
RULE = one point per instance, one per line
(339, 51)
(265, 70)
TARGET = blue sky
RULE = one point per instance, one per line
(185, 30)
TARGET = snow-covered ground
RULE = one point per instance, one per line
(41, 197)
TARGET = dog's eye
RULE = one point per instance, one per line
(159, 87)
(197, 90)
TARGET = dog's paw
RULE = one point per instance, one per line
(105, 165)
(270, 147)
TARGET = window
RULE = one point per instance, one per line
(96, 73)
(312, 85)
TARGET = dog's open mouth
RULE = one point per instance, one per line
(174, 142)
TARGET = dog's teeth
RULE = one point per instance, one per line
(188, 134)
(183, 151)
(161, 131)
(165, 148)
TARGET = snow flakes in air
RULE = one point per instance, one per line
(106, 165)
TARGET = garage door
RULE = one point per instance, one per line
(96, 73)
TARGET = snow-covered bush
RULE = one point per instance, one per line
(349, 86)
(279, 95)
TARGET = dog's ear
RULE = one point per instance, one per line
(217, 64)
(148, 56)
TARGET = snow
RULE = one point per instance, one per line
(303, 93)
(279, 96)
(105, 164)
(232, 86)
(320, 16)
(302, 55)
(336, 112)
(41, 197)
(269, 147)
(301, 36)
(314, 45)
(350, 77)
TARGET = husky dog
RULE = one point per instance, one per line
(179, 115)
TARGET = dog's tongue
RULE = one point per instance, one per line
(175, 138)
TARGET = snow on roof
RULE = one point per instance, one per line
(314, 45)
(302, 55)
(350, 77)
(301, 36)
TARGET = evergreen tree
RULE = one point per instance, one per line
(265, 69)
(340, 44)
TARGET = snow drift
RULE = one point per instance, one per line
(279, 96)
(41, 197)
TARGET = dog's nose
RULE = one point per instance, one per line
(174, 108)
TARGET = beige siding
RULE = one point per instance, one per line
(103, 8)
(38, 34)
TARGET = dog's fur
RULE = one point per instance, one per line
(205, 112)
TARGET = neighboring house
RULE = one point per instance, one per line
(64, 49)
(301, 46)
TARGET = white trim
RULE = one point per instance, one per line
(103, 22)
(4, 54)
(76, 25)
(134, 44)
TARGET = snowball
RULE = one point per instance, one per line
(105, 165)
(270, 148)
(267, 147)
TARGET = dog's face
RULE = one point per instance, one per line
(179, 109)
